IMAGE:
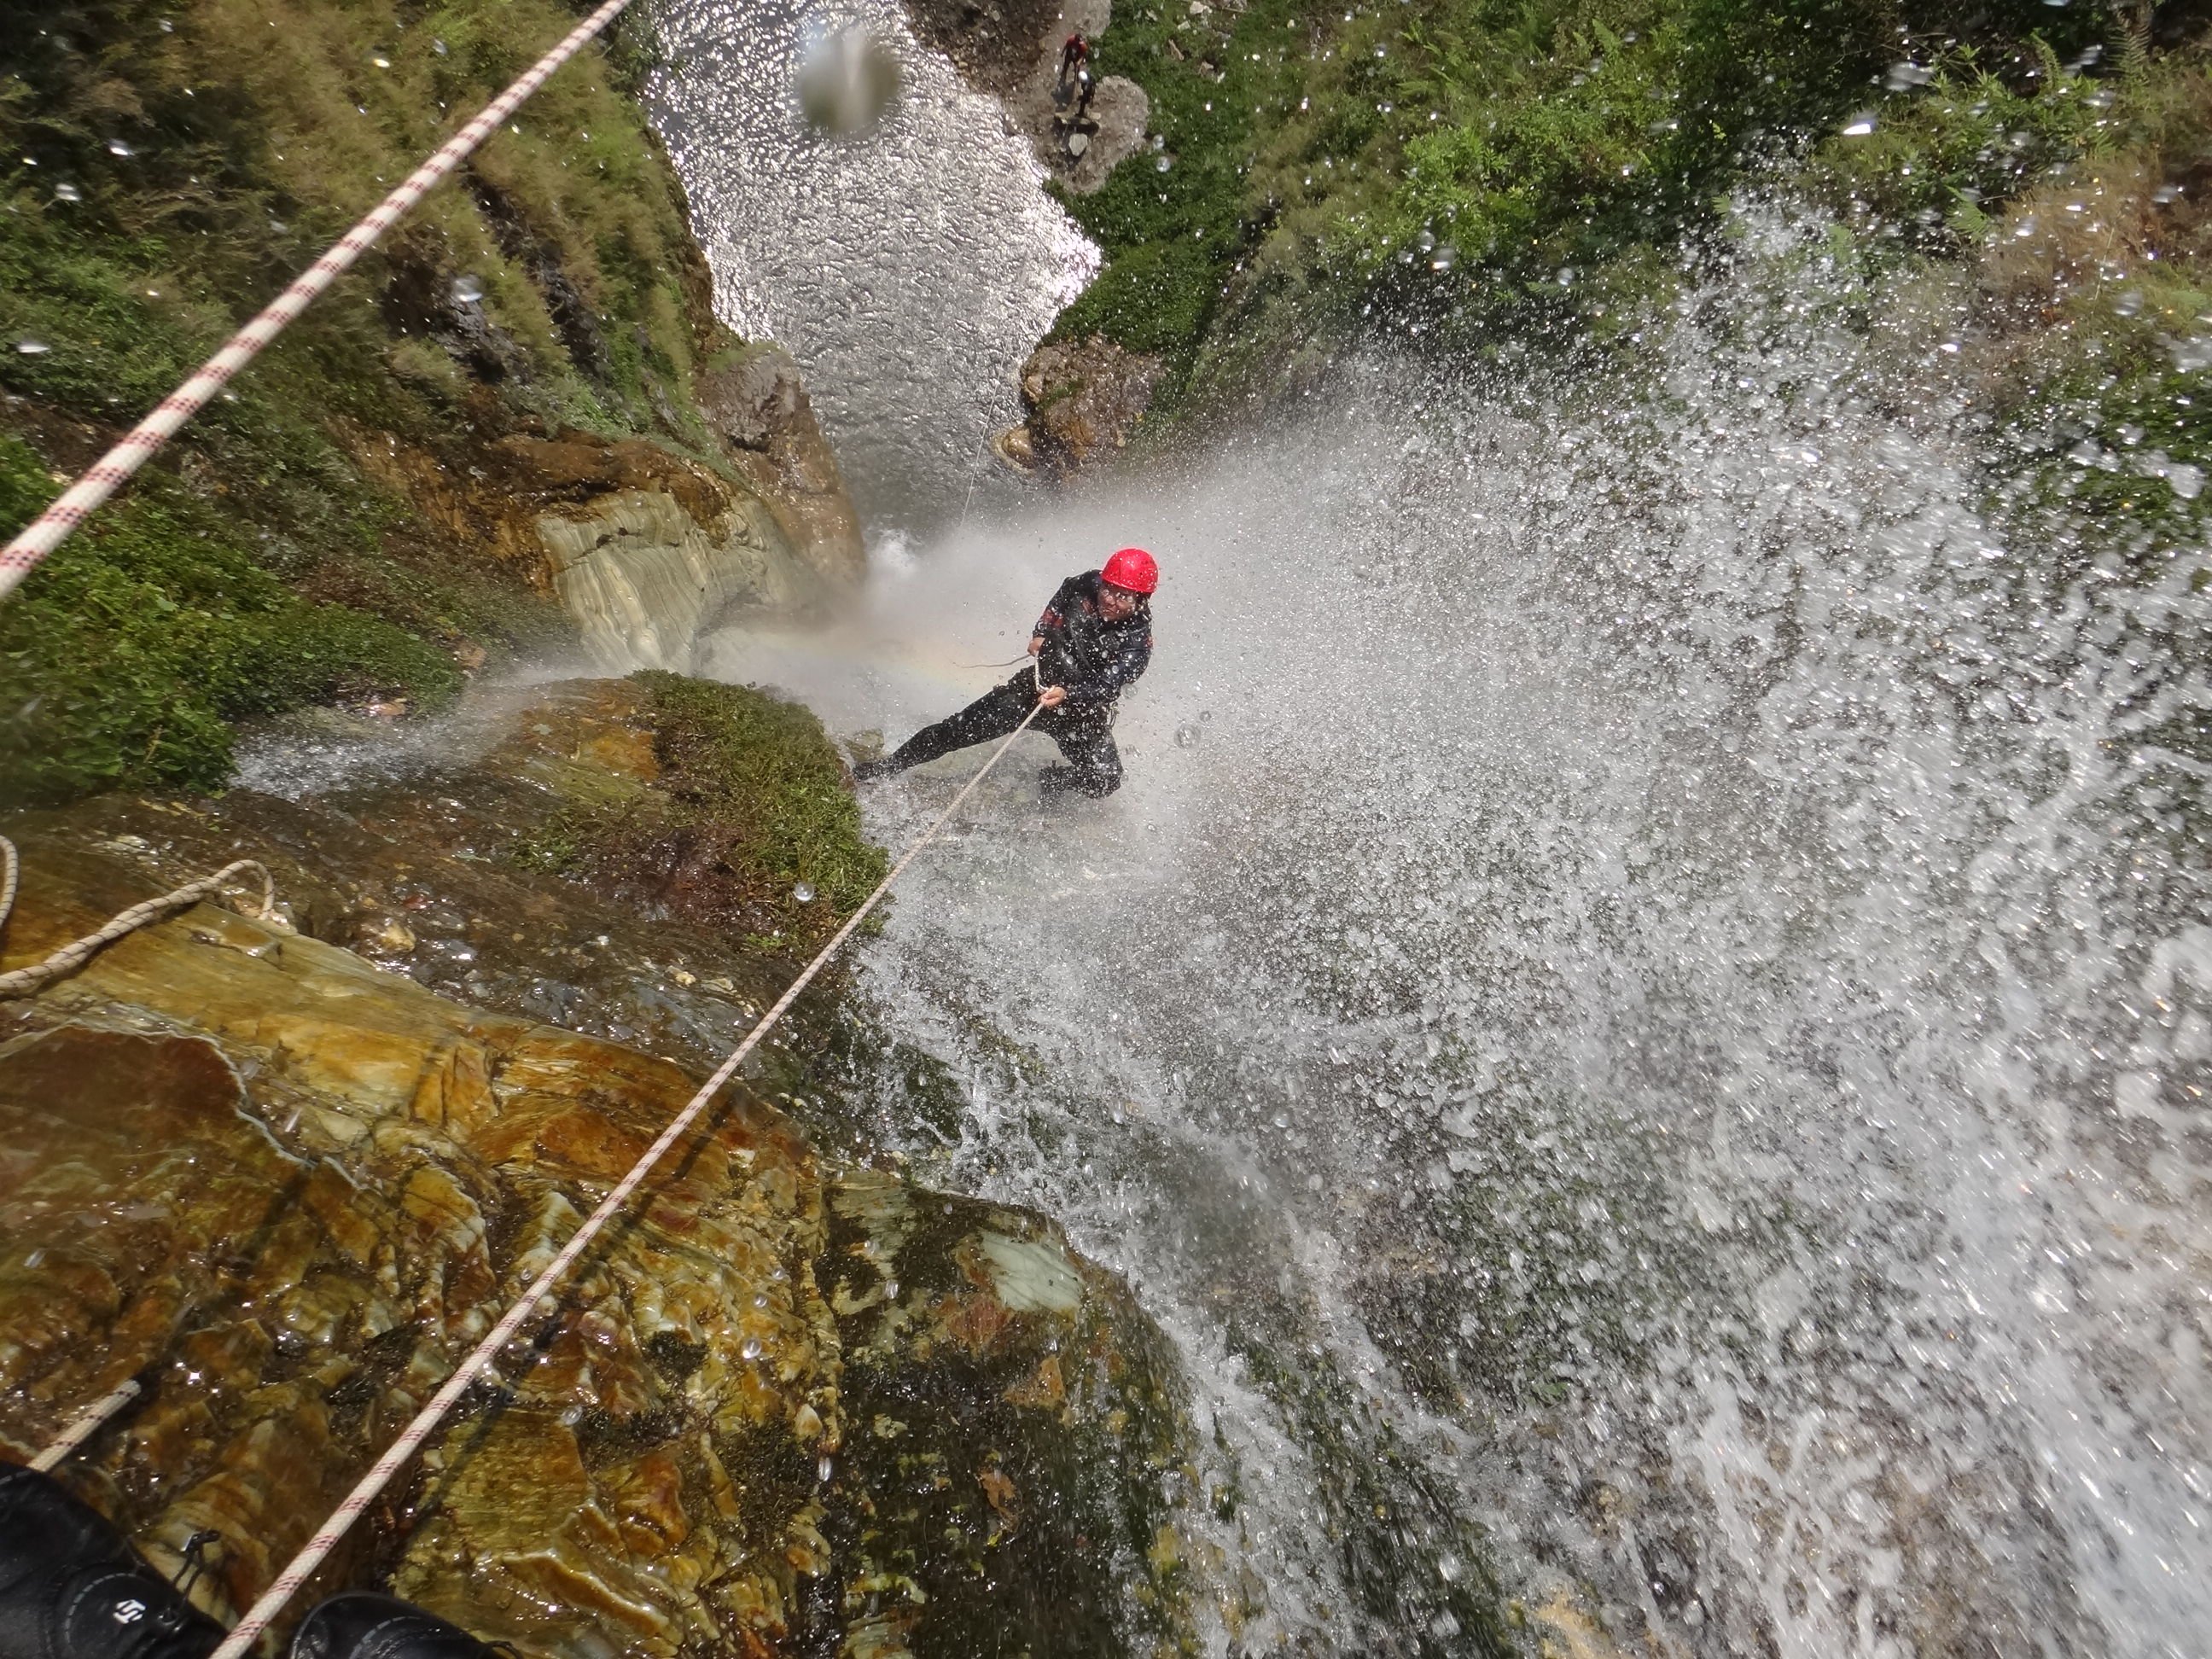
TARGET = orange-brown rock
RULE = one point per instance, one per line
(1082, 398)
(287, 1188)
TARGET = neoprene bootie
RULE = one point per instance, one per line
(71, 1586)
(362, 1624)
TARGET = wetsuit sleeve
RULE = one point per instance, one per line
(1055, 614)
(1118, 675)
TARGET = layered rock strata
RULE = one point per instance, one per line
(783, 1407)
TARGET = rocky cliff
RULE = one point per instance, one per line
(794, 1404)
(515, 426)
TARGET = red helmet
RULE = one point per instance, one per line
(1132, 570)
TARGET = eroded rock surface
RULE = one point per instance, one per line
(1083, 398)
(784, 1408)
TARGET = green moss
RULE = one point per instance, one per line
(766, 765)
(166, 171)
(123, 663)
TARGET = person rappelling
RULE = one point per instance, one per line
(1090, 645)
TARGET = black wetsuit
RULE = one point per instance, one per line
(1093, 660)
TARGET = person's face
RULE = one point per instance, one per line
(1115, 604)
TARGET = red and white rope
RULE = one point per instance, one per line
(51, 528)
(310, 1556)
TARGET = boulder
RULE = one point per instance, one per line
(757, 406)
(1084, 398)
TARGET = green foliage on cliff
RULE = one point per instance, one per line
(164, 172)
(152, 629)
(1466, 163)
(757, 761)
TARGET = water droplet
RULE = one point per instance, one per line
(752, 1350)
(34, 1258)
(1426, 240)
(1163, 164)
(381, 61)
(467, 290)
(1859, 124)
(1187, 735)
(803, 892)
(116, 147)
(822, 1468)
(1904, 75)
(1444, 258)
(31, 348)
(848, 81)
(891, 1289)
(2128, 301)
(2185, 479)
(68, 193)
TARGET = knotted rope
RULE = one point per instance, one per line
(24, 981)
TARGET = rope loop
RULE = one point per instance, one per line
(28, 981)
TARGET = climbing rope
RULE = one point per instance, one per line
(341, 1520)
(82, 1426)
(51, 528)
(26, 980)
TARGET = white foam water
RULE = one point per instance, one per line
(1643, 1014)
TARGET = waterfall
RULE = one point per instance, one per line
(1643, 1014)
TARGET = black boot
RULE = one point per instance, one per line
(362, 1624)
(71, 1587)
(870, 771)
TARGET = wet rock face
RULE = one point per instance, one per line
(1083, 398)
(754, 400)
(782, 1408)
(647, 551)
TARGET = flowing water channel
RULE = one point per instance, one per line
(1643, 1015)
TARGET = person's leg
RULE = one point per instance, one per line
(1094, 764)
(994, 714)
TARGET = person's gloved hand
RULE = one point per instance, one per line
(1052, 696)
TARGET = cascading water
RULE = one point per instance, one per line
(909, 269)
(1642, 1015)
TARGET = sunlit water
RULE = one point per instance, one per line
(909, 269)
(1642, 1015)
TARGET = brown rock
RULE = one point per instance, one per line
(753, 399)
(1083, 398)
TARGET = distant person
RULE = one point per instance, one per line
(1090, 645)
(1085, 88)
(1075, 57)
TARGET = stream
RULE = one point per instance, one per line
(1641, 1016)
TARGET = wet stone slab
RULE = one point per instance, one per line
(782, 1408)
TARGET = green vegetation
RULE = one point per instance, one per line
(766, 765)
(165, 171)
(750, 807)
(151, 630)
(1468, 167)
